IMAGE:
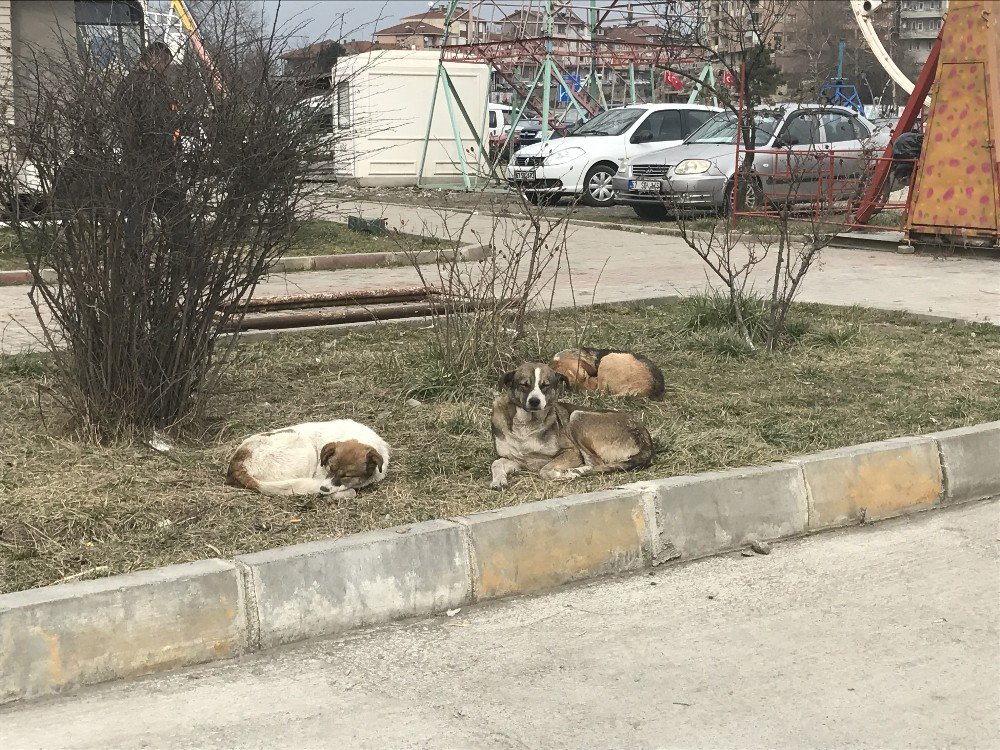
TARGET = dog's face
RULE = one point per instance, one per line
(576, 365)
(533, 386)
(350, 464)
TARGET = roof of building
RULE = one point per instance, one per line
(415, 27)
(360, 46)
(637, 33)
(535, 16)
(435, 13)
(309, 51)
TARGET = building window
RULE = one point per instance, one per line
(343, 105)
(109, 31)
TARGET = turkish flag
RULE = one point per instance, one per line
(672, 79)
(728, 79)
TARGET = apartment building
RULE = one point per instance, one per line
(920, 22)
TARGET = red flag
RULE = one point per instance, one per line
(728, 79)
(672, 79)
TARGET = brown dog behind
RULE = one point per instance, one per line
(617, 372)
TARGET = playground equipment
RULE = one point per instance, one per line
(577, 50)
(839, 91)
(954, 194)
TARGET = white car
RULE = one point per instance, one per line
(583, 163)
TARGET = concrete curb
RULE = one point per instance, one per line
(292, 263)
(59, 637)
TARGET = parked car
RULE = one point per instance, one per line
(699, 173)
(583, 162)
(499, 118)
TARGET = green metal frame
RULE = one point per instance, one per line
(707, 77)
(452, 100)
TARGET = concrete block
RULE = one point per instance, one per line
(58, 637)
(970, 457)
(723, 510)
(475, 252)
(356, 260)
(871, 481)
(292, 263)
(540, 545)
(315, 589)
(14, 278)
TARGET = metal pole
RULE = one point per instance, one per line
(631, 82)
(735, 197)
(547, 68)
(455, 129)
(437, 82)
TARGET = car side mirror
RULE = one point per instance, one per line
(643, 136)
(785, 141)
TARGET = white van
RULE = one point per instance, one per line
(500, 116)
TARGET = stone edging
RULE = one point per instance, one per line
(59, 637)
(294, 263)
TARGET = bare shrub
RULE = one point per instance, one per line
(480, 325)
(778, 245)
(167, 195)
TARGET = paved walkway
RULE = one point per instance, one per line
(611, 265)
(878, 637)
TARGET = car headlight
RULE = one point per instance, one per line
(693, 166)
(563, 156)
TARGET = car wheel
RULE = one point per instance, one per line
(651, 212)
(755, 199)
(597, 187)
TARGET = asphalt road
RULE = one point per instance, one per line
(884, 636)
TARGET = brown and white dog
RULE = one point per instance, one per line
(533, 431)
(620, 373)
(314, 458)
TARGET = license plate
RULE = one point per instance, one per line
(644, 186)
(524, 173)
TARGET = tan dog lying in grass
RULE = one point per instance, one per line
(315, 458)
(533, 431)
(619, 373)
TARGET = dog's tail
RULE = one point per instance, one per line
(239, 476)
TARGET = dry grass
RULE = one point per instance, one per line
(313, 238)
(74, 509)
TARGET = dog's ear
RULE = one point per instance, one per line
(374, 461)
(587, 366)
(563, 380)
(506, 381)
(327, 453)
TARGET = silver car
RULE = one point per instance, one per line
(789, 163)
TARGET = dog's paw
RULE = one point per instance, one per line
(338, 493)
(499, 484)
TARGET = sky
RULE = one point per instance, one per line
(347, 19)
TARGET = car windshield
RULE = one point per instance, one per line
(612, 122)
(722, 129)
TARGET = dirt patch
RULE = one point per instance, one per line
(76, 510)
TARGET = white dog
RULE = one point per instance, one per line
(315, 458)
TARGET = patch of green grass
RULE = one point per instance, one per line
(11, 255)
(77, 509)
(334, 238)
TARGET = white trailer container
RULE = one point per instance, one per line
(381, 107)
